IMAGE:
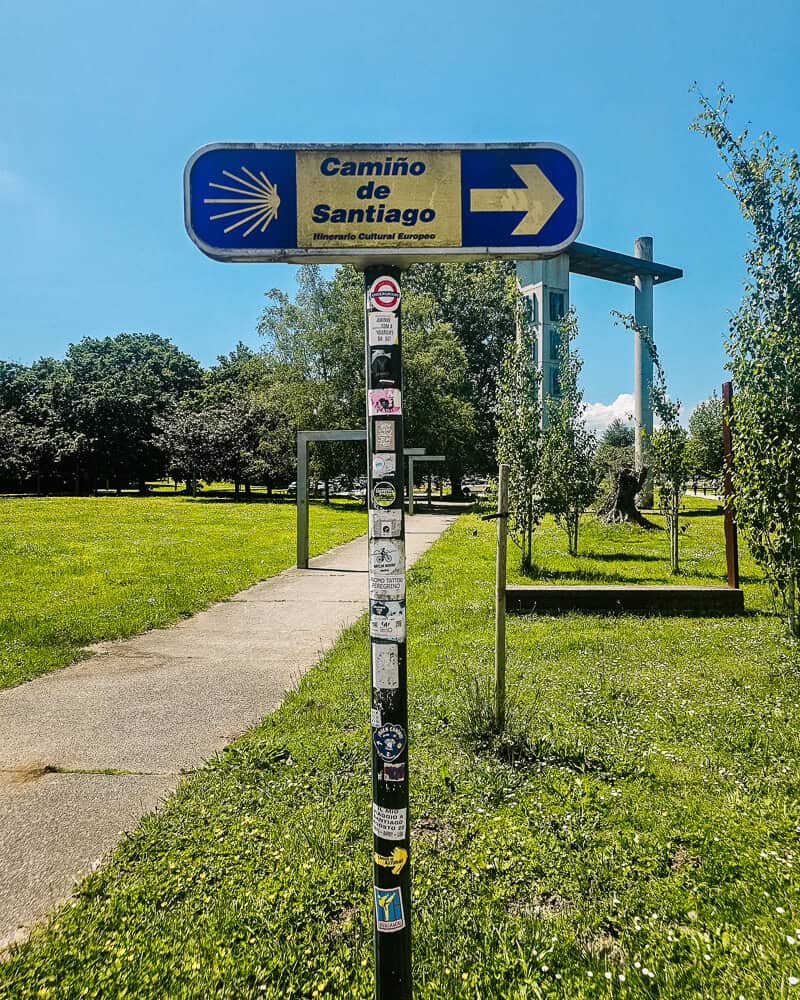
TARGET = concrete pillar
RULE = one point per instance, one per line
(545, 284)
(642, 360)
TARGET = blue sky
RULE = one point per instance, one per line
(101, 104)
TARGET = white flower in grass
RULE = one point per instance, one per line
(780, 909)
(607, 975)
(790, 939)
(793, 980)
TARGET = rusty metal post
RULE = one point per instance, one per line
(731, 534)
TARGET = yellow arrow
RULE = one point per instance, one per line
(396, 860)
(538, 199)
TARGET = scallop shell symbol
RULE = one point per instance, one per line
(257, 196)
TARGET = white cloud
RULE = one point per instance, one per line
(599, 415)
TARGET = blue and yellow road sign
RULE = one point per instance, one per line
(399, 203)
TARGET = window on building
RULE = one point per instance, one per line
(557, 307)
(531, 307)
(555, 382)
(555, 343)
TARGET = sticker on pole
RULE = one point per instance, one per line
(385, 672)
(394, 773)
(389, 824)
(386, 556)
(384, 523)
(383, 493)
(384, 402)
(384, 435)
(390, 741)
(389, 914)
(396, 860)
(387, 620)
(384, 464)
(382, 329)
(384, 294)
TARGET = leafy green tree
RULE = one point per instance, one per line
(764, 348)
(704, 448)
(569, 475)
(478, 302)
(116, 389)
(615, 451)
(519, 437)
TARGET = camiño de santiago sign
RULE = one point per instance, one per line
(271, 202)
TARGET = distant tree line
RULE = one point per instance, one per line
(120, 411)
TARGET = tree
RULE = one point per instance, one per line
(569, 475)
(116, 388)
(615, 451)
(668, 444)
(477, 301)
(519, 437)
(764, 349)
(704, 448)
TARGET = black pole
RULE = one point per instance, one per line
(391, 902)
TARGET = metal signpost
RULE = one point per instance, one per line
(382, 207)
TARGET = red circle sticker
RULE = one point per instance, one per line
(384, 294)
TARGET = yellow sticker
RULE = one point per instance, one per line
(374, 198)
(396, 860)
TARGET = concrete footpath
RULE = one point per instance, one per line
(148, 708)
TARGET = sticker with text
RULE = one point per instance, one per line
(396, 860)
(383, 493)
(390, 741)
(383, 464)
(389, 914)
(387, 620)
(388, 824)
(375, 717)
(387, 588)
(387, 556)
(384, 435)
(385, 523)
(383, 402)
(385, 672)
(382, 329)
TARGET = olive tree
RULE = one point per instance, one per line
(764, 348)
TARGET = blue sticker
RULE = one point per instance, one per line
(390, 741)
(389, 914)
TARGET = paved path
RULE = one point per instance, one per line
(151, 707)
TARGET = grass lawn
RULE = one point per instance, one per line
(635, 834)
(76, 570)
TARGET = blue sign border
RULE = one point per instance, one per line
(365, 255)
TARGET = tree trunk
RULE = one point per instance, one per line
(455, 486)
(791, 600)
(327, 491)
(620, 505)
(247, 487)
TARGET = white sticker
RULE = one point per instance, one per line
(375, 717)
(384, 464)
(390, 824)
(387, 620)
(382, 329)
(387, 588)
(385, 671)
(387, 557)
(384, 435)
(384, 523)
(383, 402)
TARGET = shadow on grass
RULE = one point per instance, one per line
(620, 557)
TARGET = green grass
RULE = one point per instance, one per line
(634, 835)
(76, 570)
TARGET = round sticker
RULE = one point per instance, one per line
(383, 493)
(384, 294)
(390, 741)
